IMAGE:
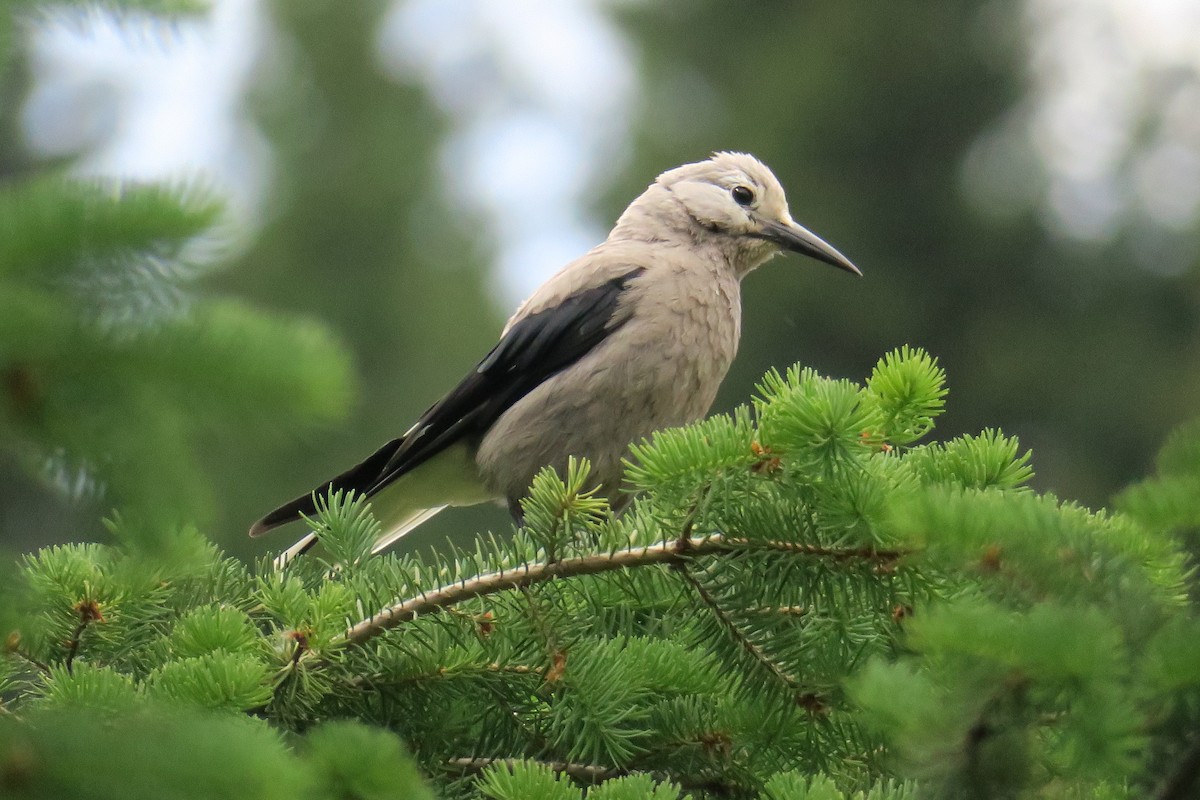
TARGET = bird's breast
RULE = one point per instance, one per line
(692, 326)
(662, 367)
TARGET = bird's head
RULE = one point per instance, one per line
(734, 199)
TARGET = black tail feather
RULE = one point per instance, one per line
(359, 478)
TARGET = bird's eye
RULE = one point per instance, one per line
(742, 196)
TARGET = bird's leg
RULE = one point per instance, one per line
(518, 513)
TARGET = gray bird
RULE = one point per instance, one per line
(635, 336)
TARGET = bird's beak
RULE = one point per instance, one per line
(798, 239)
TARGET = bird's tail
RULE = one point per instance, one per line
(447, 479)
(400, 528)
(359, 478)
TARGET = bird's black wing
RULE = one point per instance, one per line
(532, 350)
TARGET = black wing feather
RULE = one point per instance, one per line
(532, 350)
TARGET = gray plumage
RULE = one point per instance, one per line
(634, 336)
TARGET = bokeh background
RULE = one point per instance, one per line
(1019, 181)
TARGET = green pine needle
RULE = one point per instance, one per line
(526, 780)
(988, 460)
(346, 527)
(213, 628)
(685, 458)
(558, 510)
(220, 679)
(909, 389)
(818, 424)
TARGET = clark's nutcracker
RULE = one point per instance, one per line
(633, 337)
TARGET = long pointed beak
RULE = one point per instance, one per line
(798, 239)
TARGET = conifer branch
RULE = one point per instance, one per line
(41, 666)
(737, 634)
(521, 577)
(783, 611)
(584, 773)
(442, 673)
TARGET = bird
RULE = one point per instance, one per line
(633, 337)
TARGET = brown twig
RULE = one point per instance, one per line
(689, 522)
(89, 612)
(584, 773)
(672, 552)
(41, 666)
(442, 673)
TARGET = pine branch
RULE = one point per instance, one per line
(442, 673)
(584, 773)
(737, 634)
(15, 651)
(677, 551)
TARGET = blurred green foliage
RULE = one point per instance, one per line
(115, 365)
(153, 752)
(357, 234)
(360, 234)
